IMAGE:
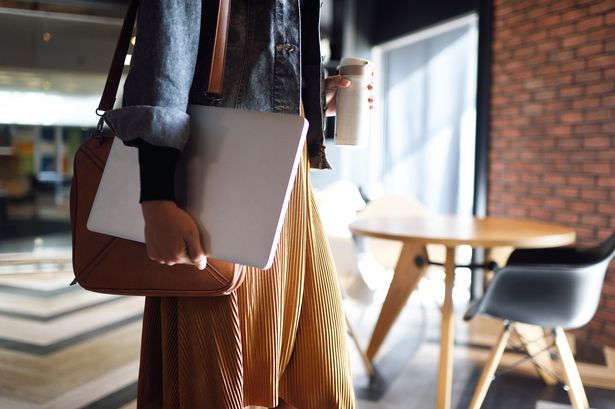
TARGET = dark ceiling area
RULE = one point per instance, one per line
(388, 19)
(378, 20)
(106, 8)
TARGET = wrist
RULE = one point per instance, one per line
(157, 203)
(155, 208)
(157, 172)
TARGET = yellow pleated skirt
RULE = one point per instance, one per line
(282, 334)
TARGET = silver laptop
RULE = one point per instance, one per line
(235, 177)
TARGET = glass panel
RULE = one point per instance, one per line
(430, 118)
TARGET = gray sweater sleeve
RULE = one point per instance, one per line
(153, 114)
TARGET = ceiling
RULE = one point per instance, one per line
(54, 56)
(64, 46)
(108, 8)
(53, 49)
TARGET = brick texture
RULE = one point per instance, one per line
(553, 124)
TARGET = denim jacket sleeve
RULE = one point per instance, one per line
(158, 84)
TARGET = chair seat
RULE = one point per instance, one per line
(546, 295)
(548, 315)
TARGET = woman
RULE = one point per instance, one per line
(280, 338)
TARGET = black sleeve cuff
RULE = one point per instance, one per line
(156, 171)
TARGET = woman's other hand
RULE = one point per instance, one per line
(332, 84)
(171, 235)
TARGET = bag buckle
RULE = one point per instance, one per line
(98, 134)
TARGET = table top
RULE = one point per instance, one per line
(454, 230)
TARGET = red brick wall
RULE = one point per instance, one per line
(552, 152)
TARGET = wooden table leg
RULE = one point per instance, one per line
(405, 279)
(447, 335)
(533, 340)
(488, 272)
(500, 256)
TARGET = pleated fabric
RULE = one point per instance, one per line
(282, 334)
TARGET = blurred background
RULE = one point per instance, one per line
(483, 107)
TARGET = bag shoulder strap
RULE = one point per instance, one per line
(216, 72)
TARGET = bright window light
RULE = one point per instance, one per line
(38, 108)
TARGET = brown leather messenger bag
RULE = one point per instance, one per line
(113, 265)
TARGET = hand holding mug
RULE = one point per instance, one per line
(354, 102)
(333, 83)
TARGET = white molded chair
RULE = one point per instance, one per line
(386, 252)
(338, 205)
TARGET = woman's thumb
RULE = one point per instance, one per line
(195, 251)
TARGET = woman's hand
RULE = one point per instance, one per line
(332, 84)
(171, 235)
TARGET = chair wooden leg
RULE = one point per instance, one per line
(490, 367)
(534, 341)
(571, 372)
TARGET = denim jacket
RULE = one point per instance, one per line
(273, 62)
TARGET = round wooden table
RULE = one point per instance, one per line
(451, 231)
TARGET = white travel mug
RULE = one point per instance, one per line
(352, 122)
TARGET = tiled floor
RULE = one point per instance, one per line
(62, 347)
